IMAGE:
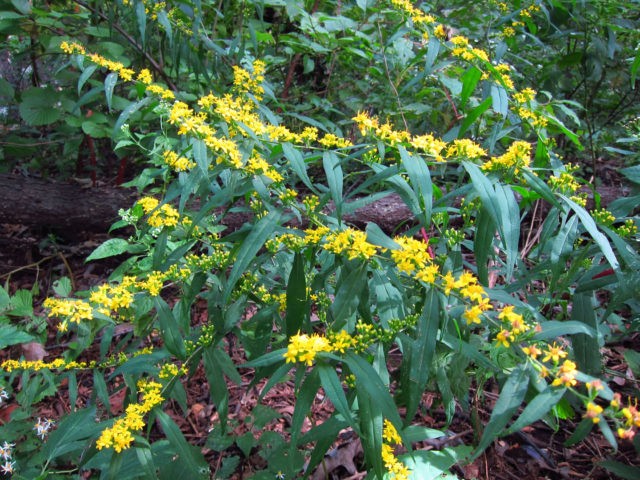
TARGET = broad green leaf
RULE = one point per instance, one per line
(499, 202)
(511, 397)
(217, 384)
(251, 245)
(371, 424)
(483, 244)
(473, 115)
(86, 75)
(470, 79)
(169, 328)
(297, 309)
(333, 388)
(304, 400)
(435, 464)
(369, 381)
(537, 408)
(335, 178)
(194, 464)
(267, 359)
(39, 106)
(580, 433)
(419, 353)
(296, 161)
(499, 100)
(127, 112)
(348, 293)
(110, 248)
(72, 434)
(553, 329)
(622, 470)
(421, 182)
(586, 347)
(11, 335)
(109, 84)
(591, 227)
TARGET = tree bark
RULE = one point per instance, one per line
(64, 208)
(68, 209)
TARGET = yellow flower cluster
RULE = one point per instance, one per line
(120, 435)
(412, 255)
(71, 310)
(467, 286)
(517, 157)
(351, 242)
(250, 82)
(159, 216)
(417, 16)
(176, 162)
(466, 149)
(513, 325)
(397, 470)
(526, 95)
(303, 348)
(117, 67)
(257, 165)
(35, 365)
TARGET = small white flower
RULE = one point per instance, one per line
(7, 467)
(42, 427)
(6, 450)
(3, 395)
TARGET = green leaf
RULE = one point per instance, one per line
(304, 400)
(419, 353)
(194, 464)
(582, 430)
(333, 388)
(109, 84)
(348, 292)
(470, 79)
(296, 162)
(267, 359)
(62, 287)
(499, 100)
(250, 247)
(553, 329)
(333, 172)
(39, 106)
(435, 464)
(619, 469)
(592, 229)
(499, 202)
(72, 434)
(369, 381)
(586, 347)
(297, 309)
(421, 182)
(127, 112)
(510, 399)
(169, 329)
(483, 244)
(86, 75)
(11, 335)
(110, 248)
(473, 115)
(537, 408)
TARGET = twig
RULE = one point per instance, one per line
(393, 87)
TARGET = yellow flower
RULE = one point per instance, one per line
(555, 353)
(304, 348)
(593, 412)
(566, 375)
(504, 337)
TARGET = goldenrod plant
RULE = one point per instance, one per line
(474, 286)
